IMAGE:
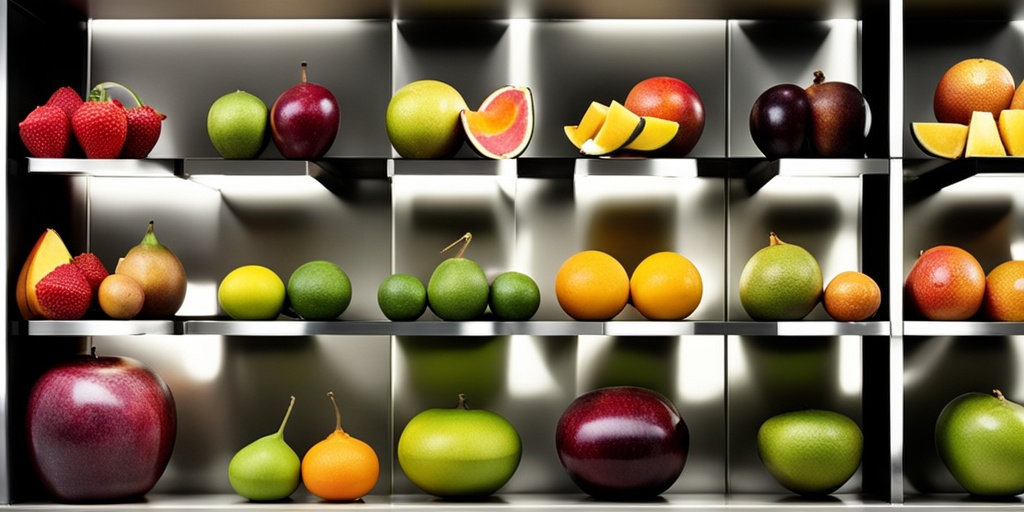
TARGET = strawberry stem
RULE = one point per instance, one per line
(100, 93)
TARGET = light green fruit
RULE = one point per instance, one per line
(266, 469)
(238, 125)
(251, 292)
(980, 439)
(514, 296)
(402, 297)
(459, 452)
(458, 290)
(780, 282)
(422, 120)
(319, 290)
(811, 452)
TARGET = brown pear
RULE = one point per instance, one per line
(160, 274)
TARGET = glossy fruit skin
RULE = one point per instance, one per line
(304, 120)
(945, 283)
(100, 429)
(1004, 292)
(101, 128)
(251, 292)
(459, 452)
(811, 452)
(840, 119)
(779, 121)
(622, 443)
(980, 439)
(780, 282)
(672, 99)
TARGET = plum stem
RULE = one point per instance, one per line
(999, 395)
(819, 77)
(303, 72)
(462, 402)
(468, 237)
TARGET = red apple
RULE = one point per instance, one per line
(100, 429)
(622, 443)
(945, 283)
(304, 120)
(673, 99)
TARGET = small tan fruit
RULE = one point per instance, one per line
(121, 297)
(160, 274)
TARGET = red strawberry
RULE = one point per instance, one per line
(92, 268)
(101, 128)
(64, 293)
(143, 131)
(67, 99)
(46, 132)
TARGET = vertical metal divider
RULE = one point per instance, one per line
(393, 339)
(895, 284)
(726, 182)
(5, 459)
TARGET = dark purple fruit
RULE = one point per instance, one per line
(304, 120)
(840, 118)
(779, 121)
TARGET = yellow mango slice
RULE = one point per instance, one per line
(589, 125)
(983, 136)
(656, 133)
(944, 140)
(1011, 131)
(620, 127)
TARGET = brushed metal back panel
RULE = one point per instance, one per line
(181, 67)
(767, 53)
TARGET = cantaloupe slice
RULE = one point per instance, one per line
(983, 136)
(503, 125)
(620, 127)
(1011, 131)
(591, 122)
(656, 133)
(944, 140)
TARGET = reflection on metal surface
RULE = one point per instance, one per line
(528, 374)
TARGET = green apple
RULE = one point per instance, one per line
(459, 452)
(237, 125)
(980, 439)
(422, 120)
(810, 452)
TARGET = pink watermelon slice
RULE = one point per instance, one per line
(503, 125)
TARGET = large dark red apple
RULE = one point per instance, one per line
(622, 443)
(304, 120)
(673, 99)
(840, 118)
(779, 120)
(100, 429)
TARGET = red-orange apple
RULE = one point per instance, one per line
(673, 99)
(945, 283)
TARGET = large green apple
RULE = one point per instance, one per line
(810, 452)
(459, 452)
(980, 439)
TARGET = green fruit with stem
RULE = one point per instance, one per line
(458, 288)
(266, 469)
(780, 282)
(980, 439)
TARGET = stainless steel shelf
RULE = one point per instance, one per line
(93, 327)
(147, 168)
(928, 328)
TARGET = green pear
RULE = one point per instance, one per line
(458, 288)
(267, 469)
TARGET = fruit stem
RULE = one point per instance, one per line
(774, 239)
(468, 237)
(819, 77)
(287, 413)
(150, 237)
(303, 72)
(999, 395)
(337, 412)
(99, 93)
(462, 402)
(93, 351)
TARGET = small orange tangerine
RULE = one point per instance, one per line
(666, 286)
(852, 297)
(340, 467)
(592, 285)
(1004, 292)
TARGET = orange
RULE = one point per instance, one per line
(665, 286)
(1004, 292)
(592, 285)
(971, 85)
(341, 467)
(852, 297)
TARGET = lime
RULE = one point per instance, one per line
(402, 297)
(319, 290)
(251, 292)
(514, 296)
(237, 125)
(458, 290)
